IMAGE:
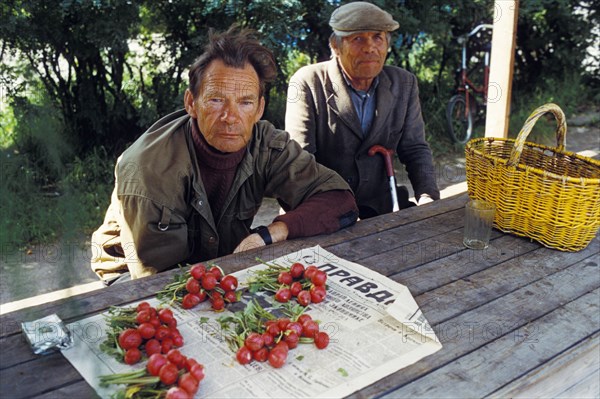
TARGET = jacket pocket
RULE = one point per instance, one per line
(246, 214)
(158, 227)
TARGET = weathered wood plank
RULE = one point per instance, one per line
(71, 309)
(391, 239)
(43, 375)
(586, 388)
(446, 262)
(15, 350)
(487, 321)
(473, 299)
(442, 259)
(472, 290)
(79, 389)
(565, 375)
(509, 357)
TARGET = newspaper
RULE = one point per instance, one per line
(375, 328)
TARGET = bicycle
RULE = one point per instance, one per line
(461, 110)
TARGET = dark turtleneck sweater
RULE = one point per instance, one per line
(217, 169)
(314, 216)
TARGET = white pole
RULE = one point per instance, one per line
(501, 67)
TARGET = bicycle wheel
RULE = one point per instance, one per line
(460, 123)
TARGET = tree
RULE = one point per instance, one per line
(112, 68)
(552, 40)
(79, 50)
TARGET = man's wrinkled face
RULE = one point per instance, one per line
(228, 105)
(362, 55)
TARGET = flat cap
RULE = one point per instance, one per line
(361, 16)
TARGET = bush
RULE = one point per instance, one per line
(87, 187)
(569, 93)
(28, 215)
(72, 207)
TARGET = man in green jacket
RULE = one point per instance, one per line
(340, 108)
(188, 189)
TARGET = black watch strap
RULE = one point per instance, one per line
(263, 232)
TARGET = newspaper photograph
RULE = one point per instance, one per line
(374, 324)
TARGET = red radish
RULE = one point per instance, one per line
(321, 340)
(198, 271)
(285, 278)
(297, 270)
(168, 373)
(177, 393)
(132, 356)
(189, 383)
(229, 283)
(295, 288)
(130, 338)
(177, 358)
(303, 298)
(319, 277)
(209, 281)
(192, 285)
(244, 355)
(261, 355)
(310, 328)
(283, 295)
(317, 293)
(146, 330)
(152, 346)
(197, 371)
(166, 315)
(155, 363)
(254, 341)
(277, 357)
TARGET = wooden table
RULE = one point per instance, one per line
(515, 319)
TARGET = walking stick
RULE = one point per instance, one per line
(389, 168)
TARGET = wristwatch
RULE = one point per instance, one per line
(263, 232)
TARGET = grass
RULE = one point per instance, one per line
(569, 94)
(37, 212)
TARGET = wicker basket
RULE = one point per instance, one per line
(547, 194)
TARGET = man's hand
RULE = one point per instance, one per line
(278, 231)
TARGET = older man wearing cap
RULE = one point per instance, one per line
(340, 108)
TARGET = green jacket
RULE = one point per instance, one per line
(159, 214)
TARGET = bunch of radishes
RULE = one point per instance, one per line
(179, 375)
(278, 337)
(144, 329)
(307, 285)
(199, 284)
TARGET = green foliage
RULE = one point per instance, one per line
(7, 125)
(568, 93)
(277, 98)
(26, 212)
(88, 184)
(434, 115)
(81, 79)
(553, 37)
(77, 49)
(40, 135)
(38, 211)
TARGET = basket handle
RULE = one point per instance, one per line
(561, 131)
